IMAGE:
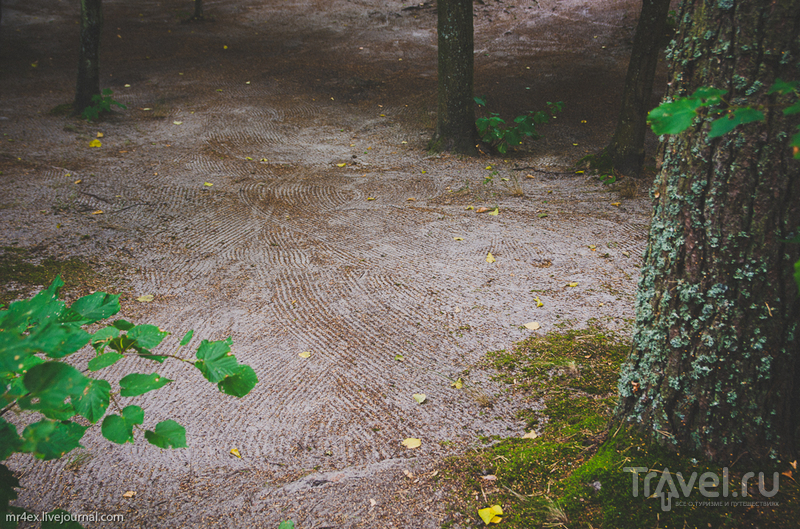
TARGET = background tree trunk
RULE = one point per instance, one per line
(198, 10)
(455, 127)
(715, 363)
(625, 152)
(88, 70)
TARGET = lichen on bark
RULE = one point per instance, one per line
(714, 363)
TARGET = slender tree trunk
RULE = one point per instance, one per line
(715, 362)
(88, 70)
(626, 149)
(198, 10)
(455, 127)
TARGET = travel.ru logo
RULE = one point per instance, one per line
(671, 485)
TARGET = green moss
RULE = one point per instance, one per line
(18, 271)
(574, 474)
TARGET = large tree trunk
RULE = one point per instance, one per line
(455, 127)
(88, 71)
(198, 10)
(715, 363)
(625, 152)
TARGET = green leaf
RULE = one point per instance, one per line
(215, 362)
(57, 340)
(186, 339)
(21, 313)
(121, 343)
(480, 101)
(51, 383)
(167, 434)
(710, 96)
(795, 143)
(48, 439)
(8, 482)
(675, 117)
(144, 353)
(794, 109)
(147, 336)
(287, 524)
(123, 325)
(104, 360)
(10, 441)
(119, 428)
(60, 519)
(93, 401)
(239, 384)
(139, 384)
(12, 354)
(739, 116)
(797, 275)
(97, 306)
(782, 87)
(101, 338)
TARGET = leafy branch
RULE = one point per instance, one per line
(38, 333)
(679, 115)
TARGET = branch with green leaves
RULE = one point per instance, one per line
(676, 116)
(37, 334)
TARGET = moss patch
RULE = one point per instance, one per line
(573, 474)
(21, 269)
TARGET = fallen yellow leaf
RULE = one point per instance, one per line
(304, 354)
(490, 514)
(538, 302)
(529, 176)
(615, 204)
(235, 452)
(470, 207)
(532, 326)
(99, 134)
(370, 198)
(95, 143)
(458, 384)
(147, 298)
(419, 397)
(495, 211)
(97, 212)
(177, 122)
(482, 209)
(530, 435)
(207, 184)
(573, 284)
(411, 199)
(490, 258)
(340, 164)
(412, 442)
(458, 238)
(129, 494)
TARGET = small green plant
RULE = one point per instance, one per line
(494, 130)
(37, 334)
(101, 103)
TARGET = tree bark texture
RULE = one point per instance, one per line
(715, 362)
(626, 149)
(198, 10)
(88, 69)
(455, 127)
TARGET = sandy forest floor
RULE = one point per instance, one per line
(290, 251)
